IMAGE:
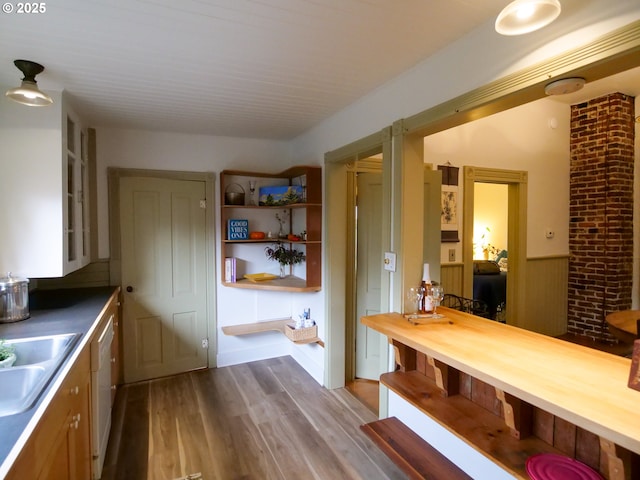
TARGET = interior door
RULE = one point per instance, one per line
(432, 210)
(164, 276)
(368, 272)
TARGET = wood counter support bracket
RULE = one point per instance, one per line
(405, 357)
(447, 378)
(518, 414)
(612, 465)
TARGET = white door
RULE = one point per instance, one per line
(432, 212)
(368, 275)
(163, 276)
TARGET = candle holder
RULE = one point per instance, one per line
(252, 191)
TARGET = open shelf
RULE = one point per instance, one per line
(275, 240)
(268, 326)
(412, 454)
(477, 426)
(274, 207)
(287, 284)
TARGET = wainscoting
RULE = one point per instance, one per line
(547, 284)
(546, 297)
(451, 277)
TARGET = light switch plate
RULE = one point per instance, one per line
(390, 261)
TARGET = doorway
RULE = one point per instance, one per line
(371, 154)
(162, 253)
(516, 184)
(490, 240)
(363, 370)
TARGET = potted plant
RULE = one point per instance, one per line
(7, 355)
(284, 256)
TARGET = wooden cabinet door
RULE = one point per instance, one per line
(58, 462)
(80, 432)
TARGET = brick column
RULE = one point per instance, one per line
(601, 213)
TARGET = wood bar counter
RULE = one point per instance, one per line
(531, 377)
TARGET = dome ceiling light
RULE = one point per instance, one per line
(564, 86)
(524, 16)
(28, 93)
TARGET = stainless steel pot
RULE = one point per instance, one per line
(14, 299)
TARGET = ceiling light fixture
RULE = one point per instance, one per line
(28, 93)
(524, 16)
(564, 86)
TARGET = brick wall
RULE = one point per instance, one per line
(601, 213)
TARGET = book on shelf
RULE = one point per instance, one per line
(237, 229)
(230, 269)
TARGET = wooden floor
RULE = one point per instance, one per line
(367, 391)
(261, 420)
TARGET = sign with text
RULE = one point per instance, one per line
(237, 229)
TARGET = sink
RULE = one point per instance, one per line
(42, 349)
(38, 359)
(20, 388)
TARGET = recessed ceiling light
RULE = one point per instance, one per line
(524, 16)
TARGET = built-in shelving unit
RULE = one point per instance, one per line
(304, 215)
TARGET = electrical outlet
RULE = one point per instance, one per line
(452, 254)
(390, 261)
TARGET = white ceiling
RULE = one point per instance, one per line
(254, 68)
(249, 68)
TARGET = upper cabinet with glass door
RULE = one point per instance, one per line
(44, 187)
(76, 230)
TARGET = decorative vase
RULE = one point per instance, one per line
(8, 362)
(282, 272)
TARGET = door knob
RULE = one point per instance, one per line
(129, 288)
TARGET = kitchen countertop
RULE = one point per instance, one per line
(583, 386)
(52, 312)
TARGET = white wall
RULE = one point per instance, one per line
(533, 137)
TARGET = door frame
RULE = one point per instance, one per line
(114, 174)
(516, 181)
(358, 166)
(338, 261)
